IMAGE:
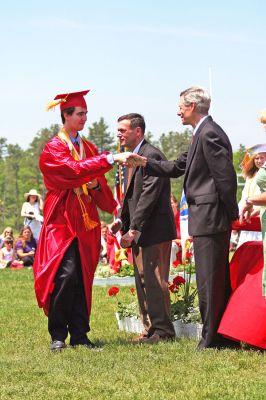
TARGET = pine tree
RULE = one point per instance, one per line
(99, 135)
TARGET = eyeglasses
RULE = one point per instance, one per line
(9, 242)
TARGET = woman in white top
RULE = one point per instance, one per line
(251, 189)
(31, 211)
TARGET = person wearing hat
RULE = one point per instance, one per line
(69, 244)
(31, 211)
(244, 317)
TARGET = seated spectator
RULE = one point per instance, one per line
(8, 255)
(8, 231)
(31, 211)
(26, 246)
(176, 251)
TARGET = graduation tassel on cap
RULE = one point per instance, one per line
(67, 100)
(53, 104)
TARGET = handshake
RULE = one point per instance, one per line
(130, 159)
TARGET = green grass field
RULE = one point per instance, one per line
(121, 371)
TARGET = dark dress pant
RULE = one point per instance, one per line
(68, 308)
(152, 264)
(211, 254)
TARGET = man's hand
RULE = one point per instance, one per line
(121, 158)
(115, 226)
(135, 160)
(128, 238)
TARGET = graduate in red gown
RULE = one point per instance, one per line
(69, 244)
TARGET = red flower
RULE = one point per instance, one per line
(178, 280)
(173, 288)
(176, 263)
(113, 291)
(132, 290)
(189, 254)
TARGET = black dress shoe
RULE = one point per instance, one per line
(57, 345)
(88, 344)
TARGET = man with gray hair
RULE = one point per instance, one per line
(210, 186)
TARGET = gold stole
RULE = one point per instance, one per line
(64, 137)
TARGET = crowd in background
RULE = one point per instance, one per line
(19, 252)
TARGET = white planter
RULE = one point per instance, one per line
(134, 324)
(129, 324)
(189, 330)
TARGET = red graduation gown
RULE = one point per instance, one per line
(63, 219)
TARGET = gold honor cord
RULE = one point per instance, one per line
(64, 137)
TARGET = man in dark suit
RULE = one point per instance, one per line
(148, 226)
(210, 186)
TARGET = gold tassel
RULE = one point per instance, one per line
(88, 223)
(53, 104)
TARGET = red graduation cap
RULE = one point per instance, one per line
(67, 100)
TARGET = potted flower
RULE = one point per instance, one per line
(127, 315)
(183, 294)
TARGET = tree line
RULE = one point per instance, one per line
(19, 169)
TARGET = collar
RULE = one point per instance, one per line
(199, 123)
(75, 140)
(136, 150)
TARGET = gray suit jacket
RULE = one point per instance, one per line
(146, 206)
(210, 180)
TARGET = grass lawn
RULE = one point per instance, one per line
(121, 371)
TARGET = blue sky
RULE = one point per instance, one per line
(135, 56)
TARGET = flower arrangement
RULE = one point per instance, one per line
(123, 309)
(183, 293)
